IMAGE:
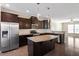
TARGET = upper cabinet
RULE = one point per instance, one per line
(36, 24)
(45, 24)
(8, 17)
(34, 20)
(40, 25)
(24, 23)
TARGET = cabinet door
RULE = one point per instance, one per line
(45, 24)
(8, 17)
(34, 20)
(45, 47)
(40, 24)
(24, 23)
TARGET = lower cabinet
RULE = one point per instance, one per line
(47, 46)
(22, 40)
(40, 48)
(61, 38)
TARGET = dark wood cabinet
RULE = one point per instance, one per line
(47, 46)
(61, 37)
(45, 24)
(40, 24)
(8, 17)
(34, 20)
(36, 24)
(24, 23)
(40, 48)
(23, 40)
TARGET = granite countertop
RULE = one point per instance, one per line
(58, 32)
(27, 32)
(24, 32)
(42, 38)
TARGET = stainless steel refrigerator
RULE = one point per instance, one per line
(9, 36)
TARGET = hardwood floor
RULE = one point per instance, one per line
(60, 50)
(22, 51)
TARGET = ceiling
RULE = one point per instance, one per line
(56, 10)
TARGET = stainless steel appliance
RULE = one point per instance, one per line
(9, 36)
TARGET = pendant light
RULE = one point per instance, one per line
(48, 9)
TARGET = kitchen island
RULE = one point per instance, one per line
(23, 34)
(40, 45)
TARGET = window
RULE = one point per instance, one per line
(70, 28)
(73, 28)
(76, 28)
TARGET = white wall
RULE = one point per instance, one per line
(56, 25)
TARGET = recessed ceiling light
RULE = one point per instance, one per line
(7, 5)
(38, 14)
(27, 11)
